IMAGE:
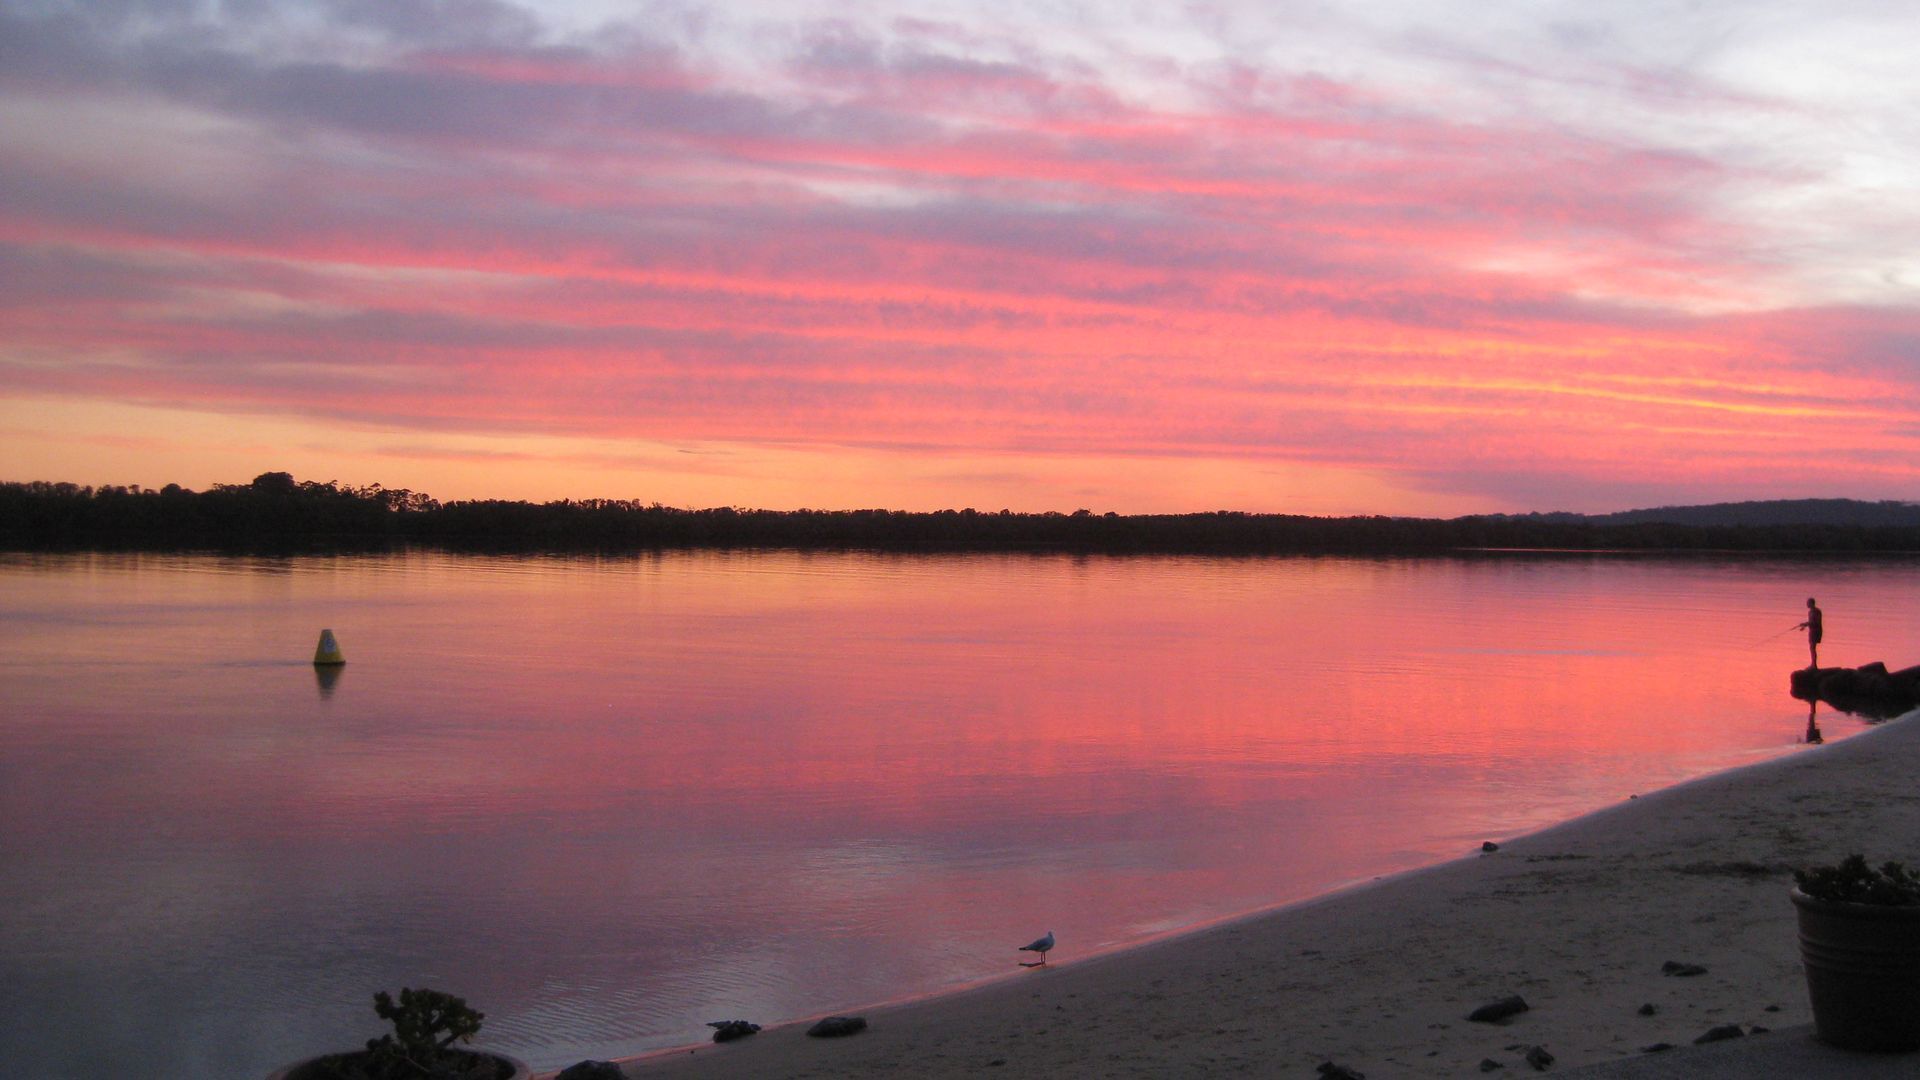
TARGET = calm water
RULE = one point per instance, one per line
(609, 800)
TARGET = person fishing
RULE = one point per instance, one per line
(1813, 628)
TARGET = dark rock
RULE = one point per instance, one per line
(1758, 1030)
(1772, 1008)
(1538, 1057)
(729, 1030)
(1340, 1072)
(1489, 846)
(1717, 1034)
(1496, 1011)
(1648, 1009)
(1655, 1048)
(1675, 967)
(591, 1070)
(996, 1062)
(1488, 1065)
(836, 1026)
(1869, 690)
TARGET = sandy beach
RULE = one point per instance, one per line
(1578, 920)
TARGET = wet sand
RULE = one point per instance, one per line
(1578, 920)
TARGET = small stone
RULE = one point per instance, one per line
(1489, 846)
(1758, 1030)
(1675, 967)
(1771, 1008)
(591, 1070)
(729, 1030)
(1538, 1057)
(1340, 1072)
(1718, 1034)
(836, 1026)
(1655, 1048)
(1495, 1011)
(1648, 1009)
(1488, 1065)
(997, 1062)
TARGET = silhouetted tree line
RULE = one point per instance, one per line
(276, 512)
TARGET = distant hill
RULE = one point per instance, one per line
(1766, 512)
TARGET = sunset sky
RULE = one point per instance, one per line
(1397, 257)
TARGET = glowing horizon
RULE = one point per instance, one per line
(1493, 259)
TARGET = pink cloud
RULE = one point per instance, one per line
(921, 249)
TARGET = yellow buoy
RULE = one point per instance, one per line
(328, 651)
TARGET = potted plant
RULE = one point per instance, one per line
(1860, 942)
(426, 1024)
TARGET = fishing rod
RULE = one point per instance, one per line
(1770, 637)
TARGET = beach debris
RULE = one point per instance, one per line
(1717, 1034)
(1489, 846)
(1042, 946)
(1656, 1048)
(1758, 1030)
(1538, 1057)
(1649, 1009)
(729, 1030)
(1771, 1008)
(591, 1070)
(1488, 1064)
(1495, 1011)
(1340, 1072)
(835, 1026)
(1676, 968)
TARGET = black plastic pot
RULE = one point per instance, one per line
(1863, 972)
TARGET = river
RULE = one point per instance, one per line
(610, 799)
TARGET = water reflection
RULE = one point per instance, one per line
(326, 677)
(608, 800)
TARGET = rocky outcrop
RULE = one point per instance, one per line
(1869, 690)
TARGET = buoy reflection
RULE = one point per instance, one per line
(326, 677)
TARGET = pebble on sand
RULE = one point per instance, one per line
(1716, 1034)
(835, 1026)
(1495, 1011)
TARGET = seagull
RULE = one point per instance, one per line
(1040, 946)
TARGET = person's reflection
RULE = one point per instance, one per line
(1813, 728)
(327, 676)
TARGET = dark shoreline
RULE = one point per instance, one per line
(276, 514)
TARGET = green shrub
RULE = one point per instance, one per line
(426, 1024)
(1852, 881)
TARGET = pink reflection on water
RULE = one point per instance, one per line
(609, 800)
